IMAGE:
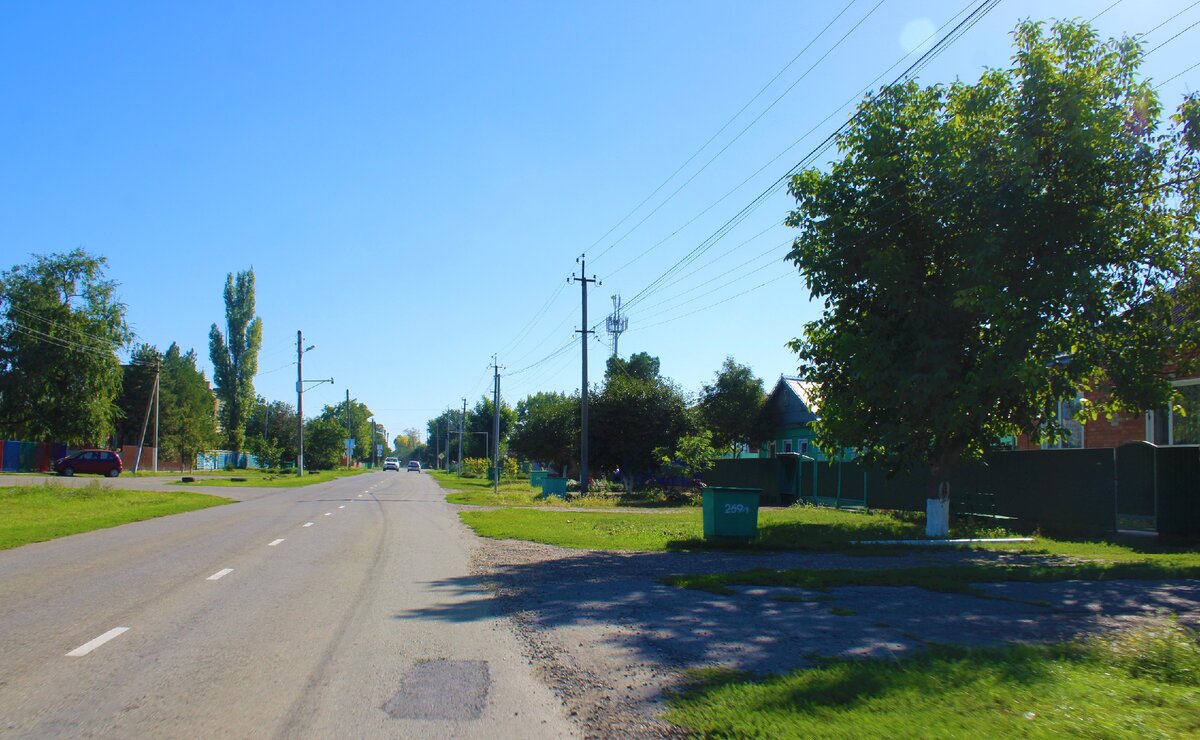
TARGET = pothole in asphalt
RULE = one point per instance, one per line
(442, 689)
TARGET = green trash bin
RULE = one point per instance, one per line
(491, 474)
(537, 476)
(554, 487)
(730, 513)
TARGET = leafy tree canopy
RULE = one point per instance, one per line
(629, 419)
(732, 407)
(979, 247)
(359, 423)
(323, 443)
(640, 366)
(271, 431)
(187, 407)
(59, 371)
(547, 428)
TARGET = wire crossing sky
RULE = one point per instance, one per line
(413, 182)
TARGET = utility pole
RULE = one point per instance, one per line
(157, 394)
(300, 381)
(616, 323)
(496, 428)
(349, 434)
(299, 403)
(583, 281)
(462, 422)
(146, 422)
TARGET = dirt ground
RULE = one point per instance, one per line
(609, 637)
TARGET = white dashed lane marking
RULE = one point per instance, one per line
(308, 524)
(276, 542)
(342, 506)
(88, 647)
(329, 513)
(219, 574)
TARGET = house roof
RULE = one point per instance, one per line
(792, 402)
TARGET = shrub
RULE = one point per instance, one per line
(474, 467)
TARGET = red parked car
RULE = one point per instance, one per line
(100, 462)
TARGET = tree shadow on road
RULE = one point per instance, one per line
(618, 599)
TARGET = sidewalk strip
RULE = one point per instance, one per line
(220, 574)
(88, 647)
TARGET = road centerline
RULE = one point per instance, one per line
(219, 574)
(91, 645)
(276, 542)
(308, 524)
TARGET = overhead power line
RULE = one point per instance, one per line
(972, 18)
(750, 125)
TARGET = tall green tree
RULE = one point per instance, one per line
(732, 407)
(359, 421)
(479, 420)
(59, 371)
(271, 431)
(547, 428)
(323, 443)
(187, 407)
(137, 392)
(632, 417)
(978, 249)
(234, 356)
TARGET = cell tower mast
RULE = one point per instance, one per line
(616, 323)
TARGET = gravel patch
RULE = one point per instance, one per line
(609, 638)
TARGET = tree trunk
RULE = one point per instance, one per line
(937, 503)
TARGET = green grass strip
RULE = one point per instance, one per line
(1138, 684)
(46, 512)
(947, 579)
(794, 528)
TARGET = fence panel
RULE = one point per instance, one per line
(1178, 474)
(1067, 491)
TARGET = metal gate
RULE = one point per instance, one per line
(1137, 499)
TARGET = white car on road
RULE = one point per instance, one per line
(391, 463)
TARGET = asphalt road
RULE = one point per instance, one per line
(309, 612)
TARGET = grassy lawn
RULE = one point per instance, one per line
(259, 479)
(1137, 684)
(793, 528)
(518, 492)
(44, 512)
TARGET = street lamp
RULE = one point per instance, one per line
(300, 381)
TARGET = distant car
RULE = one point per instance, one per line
(391, 463)
(99, 462)
(414, 465)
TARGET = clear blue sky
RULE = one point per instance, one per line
(412, 182)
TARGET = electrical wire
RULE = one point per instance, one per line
(931, 53)
(1160, 25)
(748, 126)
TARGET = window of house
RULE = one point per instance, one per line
(787, 445)
(1169, 426)
(1063, 414)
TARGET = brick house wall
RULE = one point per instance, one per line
(1103, 432)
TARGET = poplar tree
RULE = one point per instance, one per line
(235, 357)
